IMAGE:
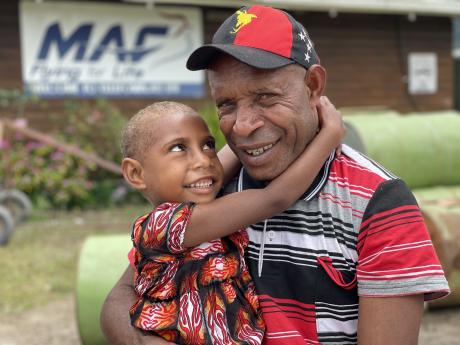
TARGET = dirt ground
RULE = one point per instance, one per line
(55, 324)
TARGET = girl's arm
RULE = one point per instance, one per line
(229, 213)
(230, 162)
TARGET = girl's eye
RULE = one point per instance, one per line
(177, 148)
(209, 145)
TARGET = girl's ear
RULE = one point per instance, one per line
(316, 82)
(133, 173)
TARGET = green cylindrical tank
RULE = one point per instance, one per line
(422, 149)
(103, 259)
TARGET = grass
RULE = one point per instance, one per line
(39, 263)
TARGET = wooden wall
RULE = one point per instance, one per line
(10, 55)
(365, 57)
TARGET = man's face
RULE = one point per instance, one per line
(265, 115)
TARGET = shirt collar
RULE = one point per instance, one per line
(247, 182)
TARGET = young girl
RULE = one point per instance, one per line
(193, 284)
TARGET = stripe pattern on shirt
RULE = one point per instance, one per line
(345, 239)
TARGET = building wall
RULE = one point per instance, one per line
(10, 55)
(364, 54)
(365, 57)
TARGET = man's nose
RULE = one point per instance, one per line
(247, 121)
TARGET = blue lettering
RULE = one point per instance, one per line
(114, 34)
(114, 37)
(140, 52)
(80, 37)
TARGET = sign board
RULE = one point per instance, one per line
(423, 73)
(456, 38)
(88, 50)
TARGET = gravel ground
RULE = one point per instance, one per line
(55, 324)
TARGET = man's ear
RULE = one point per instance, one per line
(133, 173)
(316, 82)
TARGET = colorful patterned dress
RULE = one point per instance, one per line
(199, 295)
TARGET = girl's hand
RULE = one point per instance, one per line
(330, 120)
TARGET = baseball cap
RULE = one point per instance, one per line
(260, 36)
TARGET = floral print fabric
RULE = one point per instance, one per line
(199, 295)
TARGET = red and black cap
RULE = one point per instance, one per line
(260, 36)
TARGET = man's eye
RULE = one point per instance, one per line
(177, 148)
(265, 96)
(224, 108)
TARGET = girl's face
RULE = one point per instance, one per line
(182, 163)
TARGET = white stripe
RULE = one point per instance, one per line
(338, 305)
(288, 261)
(303, 242)
(285, 332)
(401, 275)
(399, 269)
(282, 336)
(366, 162)
(336, 316)
(344, 182)
(387, 249)
(340, 263)
(321, 310)
(326, 325)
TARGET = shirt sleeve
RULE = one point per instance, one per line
(395, 254)
(163, 230)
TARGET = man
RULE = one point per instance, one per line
(354, 247)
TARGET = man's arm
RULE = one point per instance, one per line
(115, 320)
(390, 320)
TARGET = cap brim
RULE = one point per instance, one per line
(203, 56)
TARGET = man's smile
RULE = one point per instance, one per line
(258, 151)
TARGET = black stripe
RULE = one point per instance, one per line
(315, 214)
(389, 195)
(338, 313)
(335, 233)
(338, 318)
(392, 215)
(303, 225)
(338, 338)
(320, 305)
(283, 252)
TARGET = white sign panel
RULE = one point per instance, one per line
(423, 73)
(109, 50)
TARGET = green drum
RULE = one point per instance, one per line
(103, 259)
(423, 149)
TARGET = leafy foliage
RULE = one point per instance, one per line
(209, 114)
(55, 179)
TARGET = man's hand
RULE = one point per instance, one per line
(115, 321)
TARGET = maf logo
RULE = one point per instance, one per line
(242, 19)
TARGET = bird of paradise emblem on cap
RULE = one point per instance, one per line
(242, 19)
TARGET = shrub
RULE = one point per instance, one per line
(48, 176)
(53, 178)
